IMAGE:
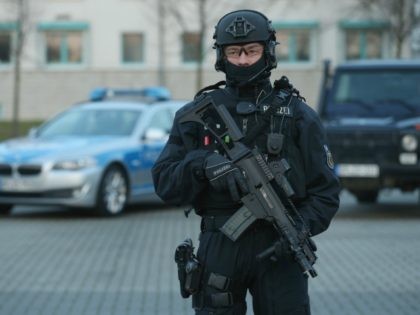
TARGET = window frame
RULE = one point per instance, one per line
(183, 61)
(362, 27)
(292, 27)
(10, 28)
(63, 29)
(142, 48)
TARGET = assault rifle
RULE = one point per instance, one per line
(262, 202)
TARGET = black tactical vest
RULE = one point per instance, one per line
(272, 116)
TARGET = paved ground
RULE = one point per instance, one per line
(55, 262)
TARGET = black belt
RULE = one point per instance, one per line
(213, 223)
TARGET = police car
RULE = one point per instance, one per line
(97, 154)
(371, 111)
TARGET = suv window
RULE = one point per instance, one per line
(375, 94)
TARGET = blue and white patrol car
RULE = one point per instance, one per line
(97, 154)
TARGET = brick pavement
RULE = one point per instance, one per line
(59, 263)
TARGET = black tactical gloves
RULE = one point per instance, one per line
(223, 175)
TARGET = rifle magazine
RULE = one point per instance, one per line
(238, 223)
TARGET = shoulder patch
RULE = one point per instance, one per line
(330, 160)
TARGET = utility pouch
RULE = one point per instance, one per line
(189, 268)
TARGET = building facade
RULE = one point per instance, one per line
(73, 46)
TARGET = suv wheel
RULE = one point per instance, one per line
(5, 209)
(368, 196)
(113, 192)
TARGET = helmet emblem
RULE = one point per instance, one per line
(240, 27)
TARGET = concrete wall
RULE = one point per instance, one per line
(44, 94)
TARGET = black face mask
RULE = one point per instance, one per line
(241, 76)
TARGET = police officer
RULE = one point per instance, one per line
(192, 169)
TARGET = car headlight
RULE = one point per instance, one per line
(409, 142)
(74, 164)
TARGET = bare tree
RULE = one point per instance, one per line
(401, 15)
(415, 36)
(20, 13)
(205, 17)
(162, 46)
(207, 14)
(197, 16)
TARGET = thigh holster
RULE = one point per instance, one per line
(216, 293)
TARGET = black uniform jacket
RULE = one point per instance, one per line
(178, 172)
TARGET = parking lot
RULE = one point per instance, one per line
(56, 262)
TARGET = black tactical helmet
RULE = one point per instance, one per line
(245, 26)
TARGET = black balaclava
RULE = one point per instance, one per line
(246, 76)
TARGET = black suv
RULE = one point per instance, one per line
(371, 111)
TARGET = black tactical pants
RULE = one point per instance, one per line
(277, 287)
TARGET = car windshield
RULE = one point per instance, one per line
(92, 122)
(381, 93)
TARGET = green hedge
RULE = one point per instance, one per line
(24, 126)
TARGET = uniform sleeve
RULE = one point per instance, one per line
(178, 172)
(322, 185)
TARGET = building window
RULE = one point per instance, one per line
(132, 47)
(64, 42)
(63, 47)
(364, 40)
(7, 36)
(5, 47)
(190, 47)
(296, 41)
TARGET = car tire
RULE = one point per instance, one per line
(112, 193)
(5, 209)
(368, 196)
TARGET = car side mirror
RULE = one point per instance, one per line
(155, 134)
(32, 132)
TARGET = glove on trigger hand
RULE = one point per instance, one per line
(223, 175)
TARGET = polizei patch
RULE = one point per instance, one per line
(330, 160)
(279, 111)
